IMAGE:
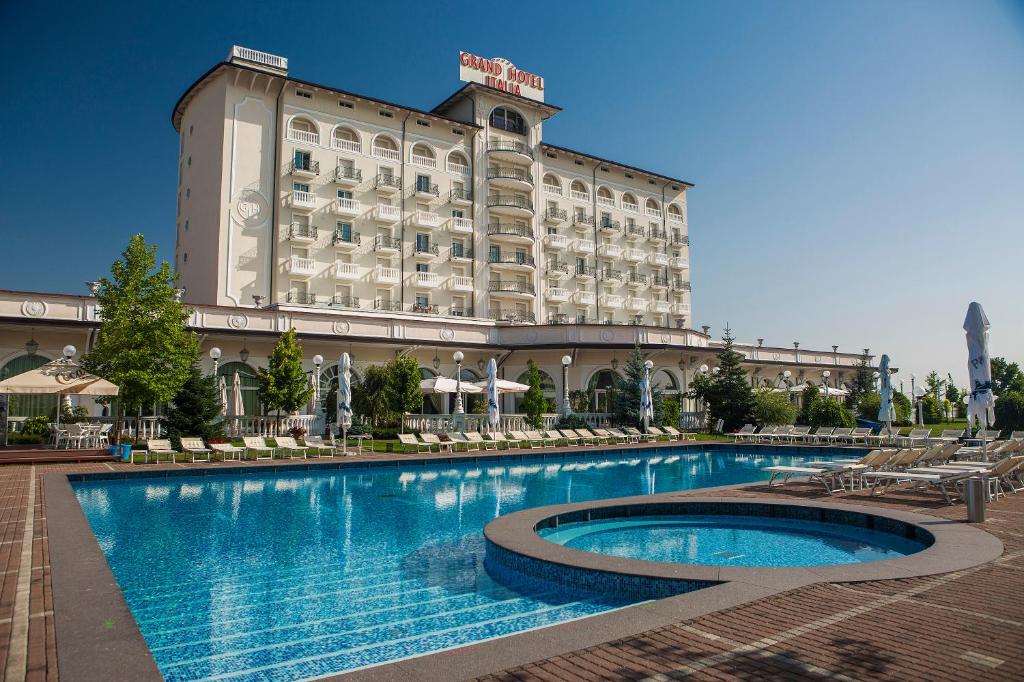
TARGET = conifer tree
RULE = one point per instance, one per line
(863, 381)
(534, 402)
(196, 409)
(731, 397)
(283, 384)
(627, 396)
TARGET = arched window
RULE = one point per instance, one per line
(27, 405)
(345, 138)
(547, 385)
(552, 185)
(675, 213)
(605, 197)
(458, 163)
(577, 190)
(665, 381)
(422, 155)
(602, 387)
(653, 209)
(508, 119)
(385, 147)
(433, 403)
(303, 130)
(247, 381)
(629, 202)
(328, 402)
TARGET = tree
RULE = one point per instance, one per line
(863, 381)
(1006, 376)
(196, 409)
(934, 385)
(371, 397)
(626, 399)
(773, 409)
(533, 402)
(904, 409)
(810, 396)
(830, 412)
(283, 384)
(931, 409)
(727, 392)
(953, 394)
(671, 410)
(144, 344)
(404, 385)
(1010, 412)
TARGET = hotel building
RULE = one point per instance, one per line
(378, 228)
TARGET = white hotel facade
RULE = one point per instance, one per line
(377, 228)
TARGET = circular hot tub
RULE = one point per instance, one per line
(660, 545)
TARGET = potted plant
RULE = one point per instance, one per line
(124, 446)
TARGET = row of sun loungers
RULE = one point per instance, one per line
(195, 450)
(862, 435)
(471, 440)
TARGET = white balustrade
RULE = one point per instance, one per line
(301, 266)
(462, 225)
(306, 136)
(424, 161)
(581, 196)
(458, 168)
(347, 145)
(387, 154)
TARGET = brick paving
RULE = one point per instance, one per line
(964, 625)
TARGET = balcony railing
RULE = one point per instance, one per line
(675, 217)
(347, 145)
(555, 214)
(584, 298)
(610, 301)
(460, 194)
(605, 201)
(342, 238)
(257, 57)
(510, 230)
(383, 275)
(659, 281)
(653, 212)
(609, 225)
(301, 199)
(301, 298)
(464, 225)
(497, 286)
(636, 231)
(391, 182)
(460, 283)
(303, 136)
(425, 249)
(509, 201)
(557, 241)
(305, 166)
(347, 206)
(387, 305)
(387, 154)
(553, 189)
(460, 251)
(346, 270)
(582, 219)
(302, 267)
(428, 188)
(388, 213)
(586, 271)
(610, 250)
(558, 318)
(556, 294)
(342, 173)
(658, 259)
(680, 239)
(429, 280)
(425, 308)
(657, 235)
(609, 274)
(634, 255)
(583, 246)
(636, 278)
(381, 242)
(458, 168)
(345, 301)
(680, 309)
(626, 206)
(679, 284)
(554, 268)
(502, 173)
(424, 161)
(302, 232)
(426, 218)
(509, 146)
(578, 195)
(460, 311)
(678, 263)
(514, 316)
(511, 259)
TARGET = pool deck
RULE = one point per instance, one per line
(961, 625)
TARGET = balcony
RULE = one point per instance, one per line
(384, 244)
(301, 298)
(557, 242)
(514, 317)
(306, 136)
(585, 273)
(657, 236)
(632, 208)
(345, 241)
(680, 284)
(351, 146)
(660, 307)
(302, 233)
(609, 226)
(458, 252)
(423, 161)
(634, 255)
(347, 176)
(584, 298)
(510, 204)
(346, 207)
(582, 221)
(653, 212)
(458, 168)
(635, 281)
(386, 304)
(301, 267)
(610, 250)
(553, 189)
(426, 280)
(555, 216)
(611, 276)
(511, 287)
(383, 275)
(460, 197)
(425, 309)
(511, 232)
(583, 245)
(678, 263)
(556, 294)
(675, 217)
(605, 201)
(510, 177)
(679, 240)
(659, 283)
(425, 252)
(344, 302)
(304, 169)
(558, 318)
(460, 283)
(388, 184)
(635, 305)
(461, 225)
(610, 301)
(635, 233)
(426, 190)
(346, 272)
(385, 213)
(460, 311)
(512, 261)
(387, 154)
(426, 219)
(658, 259)
(559, 270)
(510, 150)
(303, 201)
(680, 308)
(578, 195)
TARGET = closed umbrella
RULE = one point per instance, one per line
(492, 395)
(646, 401)
(886, 410)
(982, 400)
(237, 406)
(344, 398)
(223, 385)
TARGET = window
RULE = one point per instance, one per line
(345, 231)
(190, 162)
(305, 94)
(386, 114)
(422, 183)
(188, 192)
(458, 213)
(422, 267)
(422, 242)
(494, 252)
(507, 119)
(191, 129)
(422, 300)
(421, 122)
(186, 226)
(184, 257)
(345, 105)
(303, 160)
(300, 187)
(344, 194)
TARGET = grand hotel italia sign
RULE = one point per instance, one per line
(500, 74)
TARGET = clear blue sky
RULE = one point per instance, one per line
(859, 167)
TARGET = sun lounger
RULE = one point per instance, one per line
(838, 435)
(475, 437)
(432, 439)
(592, 436)
(294, 450)
(830, 477)
(650, 438)
(497, 438)
(623, 437)
(194, 446)
(658, 433)
(1017, 435)
(764, 434)
(538, 437)
(457, 439)
(157, 447)
(986, 435)
(675, 433)
(323, 449)
(570, 436)
(607, 435)
(747, 432)
(945, 481)
(777, 435)
(258, 445)
(860, 434)
(409, 440)
(228, 451)
(521, 438)
(915, 437)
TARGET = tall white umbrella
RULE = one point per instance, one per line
(344, 398)
(492, 394)
(646, 401)
(982, 400)
(886, 410)
(237, 408)
(223, 385)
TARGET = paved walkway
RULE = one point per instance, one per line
(966, 625)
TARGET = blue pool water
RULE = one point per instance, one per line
(288, 576)
(727, 540)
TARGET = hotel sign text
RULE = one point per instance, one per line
(502, 75)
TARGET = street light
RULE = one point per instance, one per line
(703, 369)
(566, 408)
(69, 351)
(215, 356)
(918, 394)
(459, 412)
(824, 380)
(318, 360)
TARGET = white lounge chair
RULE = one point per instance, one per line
(744, 433)
(156, 447)
(639, 435)
(409, 439)
(458, 439)
(289, 445)
(830, 477)
(322, 448)
(433, 439)
(945, 481)
(480, 442)
(194, 446)
(228, 451)
(259, 446)
(675, 433)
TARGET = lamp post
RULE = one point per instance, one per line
(824, 381)
(215, 356)
(913, 394)
(918, 394)
(566, 407)
(459, 411)
(318, 360)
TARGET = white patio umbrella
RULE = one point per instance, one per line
(887, 410)
(440, 384)
(237, 406)
(492, 395)
(501, 385)
(982, 400)
(223, 386)
(646, 401)
(344, 398)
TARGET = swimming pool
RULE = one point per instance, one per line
(293, 575)
(731, 540)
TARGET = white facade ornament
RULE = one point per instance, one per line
(238, 321)
(447, 334)
(33, 308)
(342, 327)
(607, 335)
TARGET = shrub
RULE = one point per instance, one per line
(572, 421)
(22, 438)
(1010, 411)
(830, 412)
(195, 410)
(36, 426)
(931, 412)
(903, 408)
(671, 410)
(869, 405)
(579, 401)
(807, 400)
(773, 409)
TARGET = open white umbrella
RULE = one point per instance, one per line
(501, 385)
(980, 406)
(887, 410)
(223, 386)
(344, 398)
(441, 384)
(492, 394)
